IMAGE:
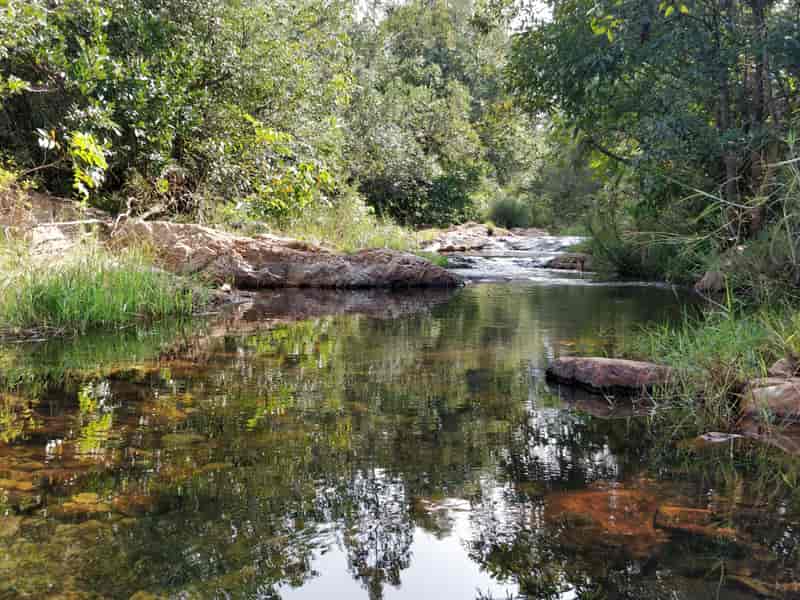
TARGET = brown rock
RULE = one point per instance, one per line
(81, 509)
(760, 588)
(17, 485)
(55, 240)
(772, 398)
(135, 505)
(470, 237)
(694, 521)
(621, 517)
(785, 367)
(9, 526)
(608, 373)
(26, 209)
(713, 282)
(572, 261)
(785, 438)
(267, 261)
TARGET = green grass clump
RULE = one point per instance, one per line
(436, 259)
(712, 357)
(87, 288)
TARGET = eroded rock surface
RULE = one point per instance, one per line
(267, 261)
(713, 282)
(604, 374)
(608, 518)
(25, 210)
(785, 367)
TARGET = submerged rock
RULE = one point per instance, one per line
(266, 261)
(604, 374)
(182, 439)
(692, 521)
(766, 589)
(772, 398)
(82, 506)
(135, 505)
(607, 518)
(9, 526)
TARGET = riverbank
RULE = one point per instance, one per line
(713, 377)
(67, 269)
(733, 370)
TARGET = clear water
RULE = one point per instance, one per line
(324, 445)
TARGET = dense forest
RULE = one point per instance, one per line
(270, 107)
(665, 129)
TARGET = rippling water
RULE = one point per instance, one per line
(324, 445)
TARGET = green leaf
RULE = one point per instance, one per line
(669, 11)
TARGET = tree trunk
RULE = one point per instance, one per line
(730, 163)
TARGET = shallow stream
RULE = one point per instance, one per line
(324, 445)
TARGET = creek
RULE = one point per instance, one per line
(313, 444)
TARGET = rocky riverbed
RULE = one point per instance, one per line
(483, 253)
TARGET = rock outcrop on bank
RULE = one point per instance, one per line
(267, 261)
(608, 374)
(470, 237)
(774, 399)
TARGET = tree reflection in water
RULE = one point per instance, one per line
(419, 453)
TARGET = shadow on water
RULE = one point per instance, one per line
(372, 445)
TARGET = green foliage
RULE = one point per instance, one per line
(348, 225)
(122, 87)
(510, 212)
(88, 162)
(88, 288)
(276, 106)
(713, 358)
(638, 255)
(431, 121)
(684, 106)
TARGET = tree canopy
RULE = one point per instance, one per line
(274, 105)
(687, 96)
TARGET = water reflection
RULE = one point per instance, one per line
(347, 456)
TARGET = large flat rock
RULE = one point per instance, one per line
(603, 374)
(266, 261)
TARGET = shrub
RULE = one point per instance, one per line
(510, 212)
